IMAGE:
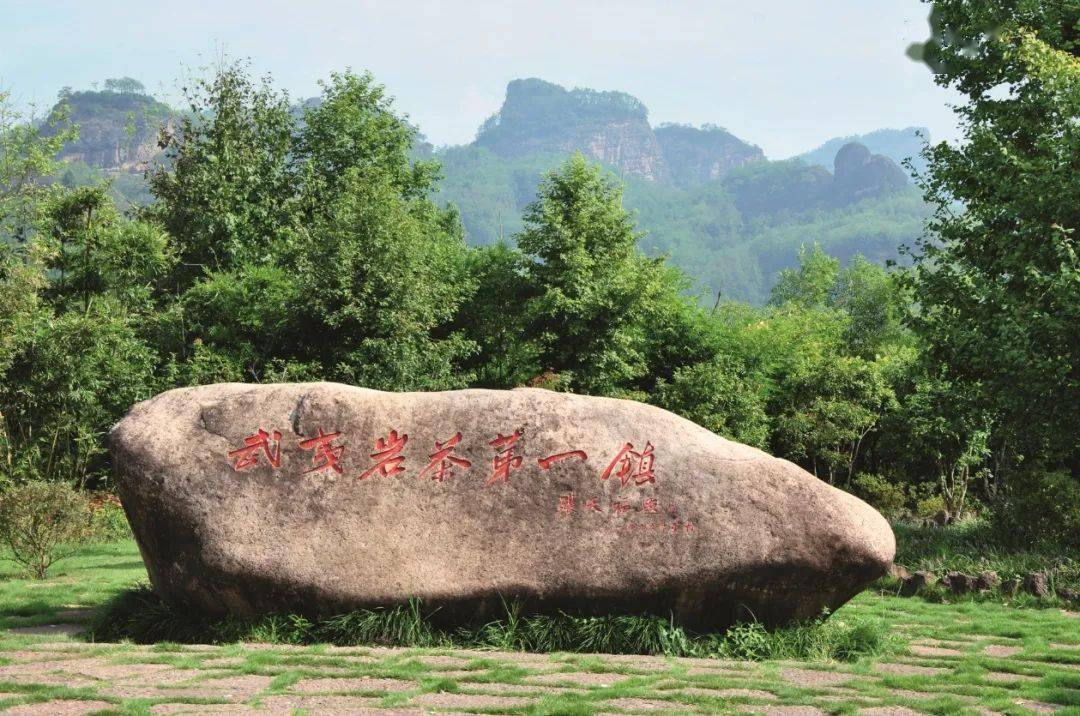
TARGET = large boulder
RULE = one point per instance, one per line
(318, 498)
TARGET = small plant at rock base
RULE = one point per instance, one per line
(42, 522)
(820, 639)
(749, 641)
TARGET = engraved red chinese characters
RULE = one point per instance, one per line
(327, 455)
(443, 461)
(546, 462)
(567, 503)
(629, 464)
(387, 455)
(248, 456)
(506, 460)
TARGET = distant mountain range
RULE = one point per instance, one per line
(712, 201)
(723, 212)
(900, 145)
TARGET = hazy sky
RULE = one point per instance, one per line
(783, 74)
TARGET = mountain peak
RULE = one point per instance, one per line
(539, 117)
(859, 173)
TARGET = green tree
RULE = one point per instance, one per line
(226, 192)
(876, 304)
(308, 244)
(720, 396)
(124, 85)
(811, 284)
(27, 154)
(998, 276)
(593, 289)
(830, 407)
(945, 427)
(492, 318)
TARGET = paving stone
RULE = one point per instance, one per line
(640, 663)
(957, 643)
(48, 630)
(27, 655)
(1004, 676)
(934, 651)
(520, 659)
(723, 664)
(1039, 707)
(454, 674)
(67, 707)
(726, 693)
(106, 670)
(580, 678)
(442, 660)
(722, 673)
(179, 708)
(72, 646)
(500, 688)
(362, 683)
(47, 672)
(813, 677)
(889, 711)
(153, 691)
(234, 688)
(469, 701)
(788, 711)
(1002, 651)
(908, 669)
(634, 704)
(323, 705)
(223, 662)
(906, 694)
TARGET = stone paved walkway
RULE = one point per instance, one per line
(42, 672)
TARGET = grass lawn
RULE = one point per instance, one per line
(965, 658)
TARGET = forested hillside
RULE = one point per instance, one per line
(727, 216)
(712, 201)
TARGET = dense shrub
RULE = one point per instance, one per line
(889, 498)
(1044, 507)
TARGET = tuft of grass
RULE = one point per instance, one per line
(140, 616)
(817, 640)
(405, 625)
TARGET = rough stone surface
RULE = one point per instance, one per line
(1037, 584)
(913, 584)
(696, 526)
(959, 583)
(988, 579)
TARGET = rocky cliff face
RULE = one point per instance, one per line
(695, 155)
(116, 130)
(539, 117)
